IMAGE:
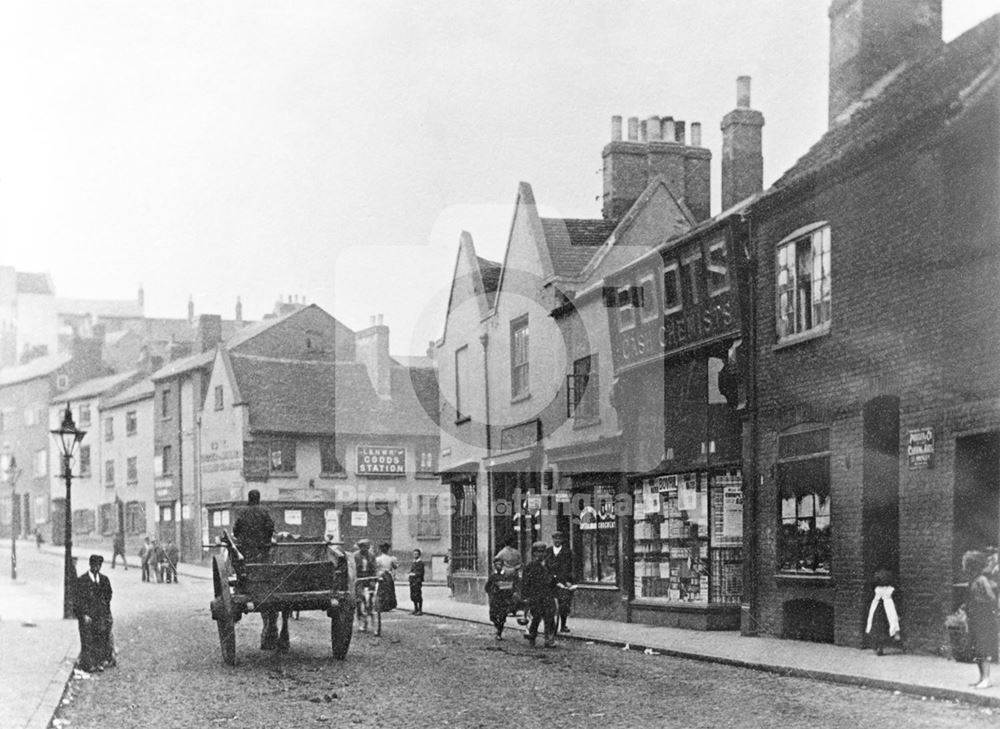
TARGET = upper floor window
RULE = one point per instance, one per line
(426, 460)
(803, 282)
(166, 461)
(132, 470)
(31, 416)
(109, 473)
(428, 517)
(85, 414)
(329, 459)
(462, 376)
(84, 461)
(41, 462)
(519, 357)
(109, 429)
(581, 390)
(282, 456)
(131, 422)
(218, 397)
(62, 382)
(165, 403)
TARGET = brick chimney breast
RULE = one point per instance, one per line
(742, 159)
(869, 38)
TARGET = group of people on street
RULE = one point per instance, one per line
(384, 566)
(541, 589)
(155, 559)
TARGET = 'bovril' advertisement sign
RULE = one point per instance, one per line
(381, 461)
(684, 298)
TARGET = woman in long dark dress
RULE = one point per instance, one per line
(981, 609)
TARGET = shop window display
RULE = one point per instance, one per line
(598, 536)
(688, 537)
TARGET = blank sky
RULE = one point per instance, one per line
(335, 150)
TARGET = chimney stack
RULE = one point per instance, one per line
(656, 146)
(239, 311)
(190, 310)
(742, 160)
(371, 347)
(209, 332)
(142, 298)
(870, 38)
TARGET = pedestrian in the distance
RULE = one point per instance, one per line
(386, 566)
(92, 607)
(981, 609)
(538, 586)
(158, 562)
(500, 591)
(883, 613)
(38, 538)
(560, 561)
(416, 577)
(173, 555)
(119, 550)
(144, 552)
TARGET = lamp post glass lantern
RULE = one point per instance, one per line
(68, 437)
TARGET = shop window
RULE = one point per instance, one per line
(132, 471)
(803, 480)
(135, 517)
(84, 521)
(330, 462)
(109, 429)
(463, 526)
(519, 385)
(597, 535)
(131, 422)
(428, 518)
(582, 389)
(108, 519)
(689, 536)
(803, 290)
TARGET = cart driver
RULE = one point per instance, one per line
(253, 529)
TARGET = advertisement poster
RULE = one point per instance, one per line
(732, 511)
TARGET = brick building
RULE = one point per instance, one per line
(874, 430)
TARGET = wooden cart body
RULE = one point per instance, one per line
(299, 575)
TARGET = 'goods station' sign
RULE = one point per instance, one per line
(682, 299)
(381, 461)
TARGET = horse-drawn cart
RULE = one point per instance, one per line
(299, 575)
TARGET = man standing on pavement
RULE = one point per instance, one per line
(560, 561)
(92, 606)
(119, 549)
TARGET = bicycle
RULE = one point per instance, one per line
(369, 604)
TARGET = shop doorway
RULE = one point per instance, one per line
(977, 498)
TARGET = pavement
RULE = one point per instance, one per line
(39, 648)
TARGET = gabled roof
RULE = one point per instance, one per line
(489, 272)
(141, 390)
(184, 364)
(311, 397)
(928, 91)
(34, 283)
(572, 242)
(96, 387)
(252, 330)
(38, 367)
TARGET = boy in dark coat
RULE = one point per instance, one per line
(500, 590)
(416, 577)
(538, 587)
(560, 561)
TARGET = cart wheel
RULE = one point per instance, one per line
(223, 611)
(376, 611)
(341, 626)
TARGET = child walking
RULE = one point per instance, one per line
(500, 590)
(416, 576)
(883, 616)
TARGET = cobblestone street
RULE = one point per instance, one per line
(430, 672)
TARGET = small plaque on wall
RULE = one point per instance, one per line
(920, 448)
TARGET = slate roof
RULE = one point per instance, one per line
(38, 367)
(34, 283)
(95, 387)
(252, 330)
(139, 391)
(927, 91)
(572, 242)
(321, 397)
(107, 308)
(185, 364)
(489, 271)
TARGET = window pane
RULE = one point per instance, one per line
(671, 289)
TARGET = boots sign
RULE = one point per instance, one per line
(381, 461)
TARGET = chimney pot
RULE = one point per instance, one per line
(378, 319)
(616, 129)
(642, 132)
(695, 134)
(669, 133)
(743, 92)
(633, 128)
(371, 320)
(679, 129)
(653, 128)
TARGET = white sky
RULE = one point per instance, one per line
(335, 150)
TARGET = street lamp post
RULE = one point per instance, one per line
(10, 473)
(68, 437)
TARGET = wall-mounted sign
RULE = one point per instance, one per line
(293, 516)
(331, 519)
(920, 449)
(359, 518)
(682, 299)
(523, 435)
(381, 461)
